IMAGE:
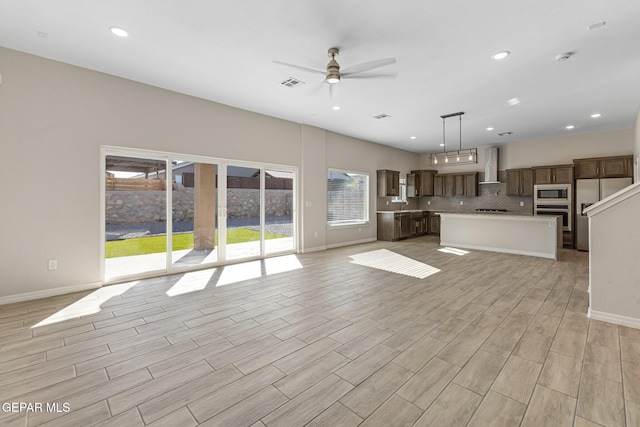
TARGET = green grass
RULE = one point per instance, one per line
(157, 244)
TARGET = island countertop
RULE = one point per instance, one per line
(532, 235)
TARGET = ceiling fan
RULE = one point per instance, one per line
(333, 74)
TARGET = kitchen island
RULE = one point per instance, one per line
(539, 236)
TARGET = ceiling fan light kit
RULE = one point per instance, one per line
(454, 157)
(333, 68)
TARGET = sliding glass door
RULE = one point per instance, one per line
(243, 212)
(278, 226)
(194, 196)
(171, 213)
(135, 216)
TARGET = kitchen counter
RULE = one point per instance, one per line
(531, 235)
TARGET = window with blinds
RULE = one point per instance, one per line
(348, 197)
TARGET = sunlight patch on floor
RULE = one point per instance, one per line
(282, 264)
(454, 251)
(234, 273)
(191, 282)
(387, 260)
(87, 305)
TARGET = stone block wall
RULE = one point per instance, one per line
(128, 207)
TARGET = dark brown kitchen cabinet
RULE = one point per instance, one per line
(553, 174)
(471, 184)
(424, 182)
(604, 167)
(388, 183)
(460, 187)
(412, 185)
(520, 182)
(438, 185)
(449, 185)
(467, 184)
(434, 223)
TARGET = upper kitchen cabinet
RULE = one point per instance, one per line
(450, 184)
(423, 182)
(520, 182)
(562, 174)
(412, 186)
(388, 183)
(467, 184)
(438, 185)
(604, 167)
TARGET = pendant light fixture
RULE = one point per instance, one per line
(459, 156)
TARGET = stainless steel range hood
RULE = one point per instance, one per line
(491, 166)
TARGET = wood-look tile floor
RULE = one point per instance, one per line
(490, 339)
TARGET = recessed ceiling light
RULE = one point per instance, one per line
(120, 32)
(336, 107)
(489, 128)
(596, 115)
(412, 137)
(570, 127)
(513, 102)
(500, 55)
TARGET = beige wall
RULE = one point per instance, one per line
(55, 117)
(551, 151)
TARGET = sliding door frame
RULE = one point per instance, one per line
(221, 195)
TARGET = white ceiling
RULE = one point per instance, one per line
(223, 51)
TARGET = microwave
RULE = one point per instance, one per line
(552, 193)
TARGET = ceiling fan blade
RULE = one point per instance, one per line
(367, 66)
(311, 70)
(371, 76)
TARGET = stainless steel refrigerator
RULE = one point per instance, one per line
(588, 192)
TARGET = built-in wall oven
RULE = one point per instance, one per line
(554, 199)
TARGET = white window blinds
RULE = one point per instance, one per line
(348, 197)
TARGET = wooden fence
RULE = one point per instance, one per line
(141, 184)
(188, 181)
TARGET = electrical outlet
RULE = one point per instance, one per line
(359, 229)
(53, 264)
(315, 234)
(429, 202)
(387, 203)
(521, 203)
(461, 202)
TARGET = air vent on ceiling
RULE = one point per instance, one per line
(381, 116)
(291, 82)
(505, 133)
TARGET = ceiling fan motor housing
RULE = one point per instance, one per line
(333, 68)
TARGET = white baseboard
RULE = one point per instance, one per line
(617, 319)
(356, 242)
(314, 249)
(29, 296)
